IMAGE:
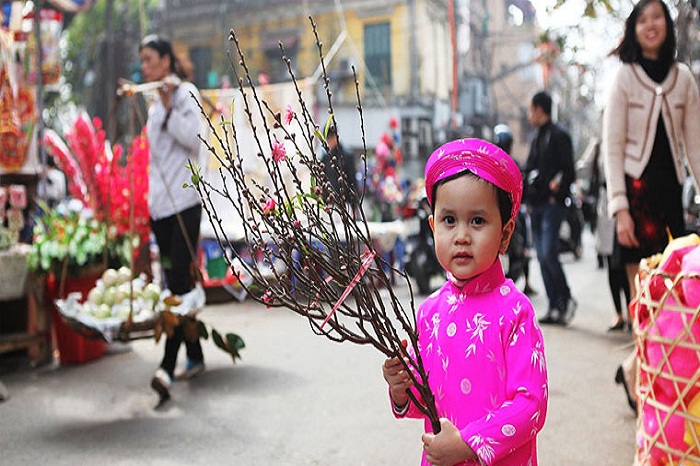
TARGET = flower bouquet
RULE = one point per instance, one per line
(68, 241)
(107, 219)
(110, 182)
(101, 231)
(313, 226)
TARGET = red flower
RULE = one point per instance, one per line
(288, 115)
(103, 178)
(267, 298)
(279, 153)
(269, 207)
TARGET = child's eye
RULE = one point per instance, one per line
(449, 220)
(478, 221)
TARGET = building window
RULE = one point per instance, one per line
(201, 61)
(378, 54)
(276, 69)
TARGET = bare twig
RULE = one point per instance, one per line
(312, 252)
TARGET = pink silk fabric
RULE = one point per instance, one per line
(485, 160)
(484, 353)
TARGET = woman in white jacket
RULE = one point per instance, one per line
(174, 125)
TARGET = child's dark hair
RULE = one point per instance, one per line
(629, 49)
(505, 203)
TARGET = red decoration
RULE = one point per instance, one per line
(105, 179)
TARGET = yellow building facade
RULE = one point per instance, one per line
(401, 51)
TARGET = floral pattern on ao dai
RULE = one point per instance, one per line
(484, 353)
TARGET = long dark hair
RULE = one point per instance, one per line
(165, 48)
(629, 49)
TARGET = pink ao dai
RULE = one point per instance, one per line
(484, 353)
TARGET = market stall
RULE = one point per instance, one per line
(59, 282)
(28, 60)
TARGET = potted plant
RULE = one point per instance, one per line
(68, 242)
(71, 250)
(102, 225)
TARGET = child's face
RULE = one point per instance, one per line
(467, 226)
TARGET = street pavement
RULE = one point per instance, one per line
(299, 399)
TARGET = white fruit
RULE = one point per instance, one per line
(109, 296)
(109, 277)
(124, 275)
(103, 311)
(120, 295)
(152, 292)
(95, 296)
(138, 289)
(121, 311)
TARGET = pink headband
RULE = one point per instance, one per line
(483, 159)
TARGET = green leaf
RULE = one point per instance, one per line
(235, 344)
(218, 341)
(225, 122)
(320, 137)
(202, 330)
(232, 345)
(289, 208)
(328, 126)
(590, 10)
(196, 174)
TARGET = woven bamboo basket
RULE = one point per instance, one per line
(667, 335)
(113, 329)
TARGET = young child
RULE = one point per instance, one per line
(477, 335)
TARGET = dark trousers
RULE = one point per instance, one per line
(617, 279)
(546, 221)
(176, 263)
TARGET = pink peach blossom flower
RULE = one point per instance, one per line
(279, 153)
(269, 206)
(288, 115)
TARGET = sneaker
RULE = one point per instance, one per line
(192, 368)
(161, 384)
(566, 314)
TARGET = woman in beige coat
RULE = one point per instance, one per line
(651, 121)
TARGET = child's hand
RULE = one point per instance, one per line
(398, 379)
(447, 447)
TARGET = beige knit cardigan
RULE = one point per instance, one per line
(629, 126)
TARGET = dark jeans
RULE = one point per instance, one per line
(546, 221)
(176, 263)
